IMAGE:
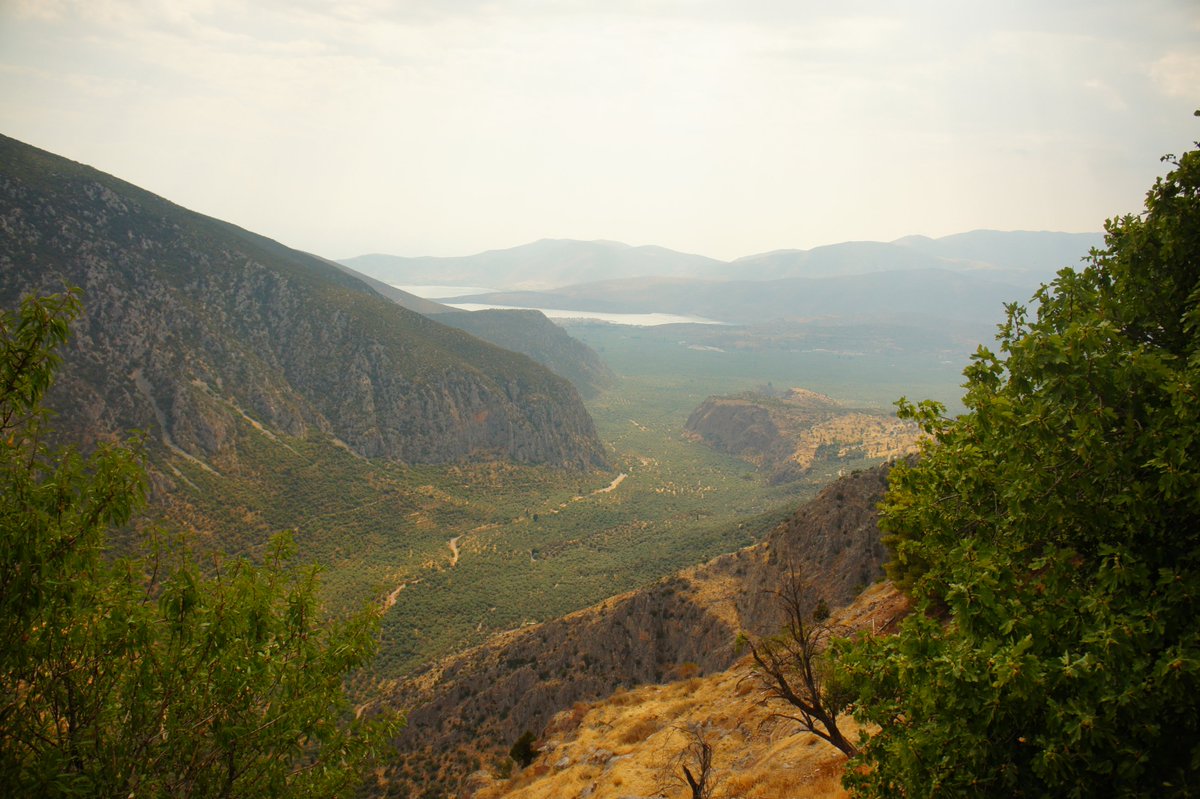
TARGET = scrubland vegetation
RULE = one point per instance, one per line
(1047, 538)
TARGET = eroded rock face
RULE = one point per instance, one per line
(191, 323)
(737, 427)
(787, 434)
(478, 702)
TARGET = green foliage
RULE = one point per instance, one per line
(1050, 537)
(151, 677)
(681, 504)
(523, 751)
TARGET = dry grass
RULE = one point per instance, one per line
(628, 744)
(639, 730)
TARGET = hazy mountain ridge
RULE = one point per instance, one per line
(178, 306)
(527, 332)
(1035, 254)
(1023, 258)
(531, 333)
(541, 264)
(478, 702)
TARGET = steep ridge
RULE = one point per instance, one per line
(527, 332)
(475, 704)
(531, 333)
(410, 301)
(180, 307)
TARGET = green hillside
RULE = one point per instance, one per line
(278, 392)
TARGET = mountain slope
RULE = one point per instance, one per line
(478, 702)
(628, 743)
(527, 332)
(531, 333)
(410, 301)
(179, 307)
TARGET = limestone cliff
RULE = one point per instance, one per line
(182, 310)
(787, 434)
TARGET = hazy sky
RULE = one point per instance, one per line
(723, 128)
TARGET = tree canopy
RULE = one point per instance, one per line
(151, 676)
(1050, 537)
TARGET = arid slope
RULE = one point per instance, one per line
(473, 706)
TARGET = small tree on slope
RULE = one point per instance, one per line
(793, 667)
(1051, 539)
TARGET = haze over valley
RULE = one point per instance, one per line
(599, 400)
(463, 488)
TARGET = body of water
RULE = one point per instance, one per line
(636, 319)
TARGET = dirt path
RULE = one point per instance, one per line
(612, 486)
(620, 478)
(392, 597)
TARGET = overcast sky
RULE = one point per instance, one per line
(721, 128)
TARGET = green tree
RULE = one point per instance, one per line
(1051, 539)
(524, 751)
(151, 677)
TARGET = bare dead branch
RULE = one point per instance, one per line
(789, 666)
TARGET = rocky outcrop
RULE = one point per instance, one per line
(787, 434)
(478, 702)
(737, 427)
(181, 309)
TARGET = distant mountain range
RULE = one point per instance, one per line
(543, 264)
(965, 277)
(1018, 257)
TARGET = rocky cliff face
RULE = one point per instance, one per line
(787, 434)
(191, 323)
(479, 702)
